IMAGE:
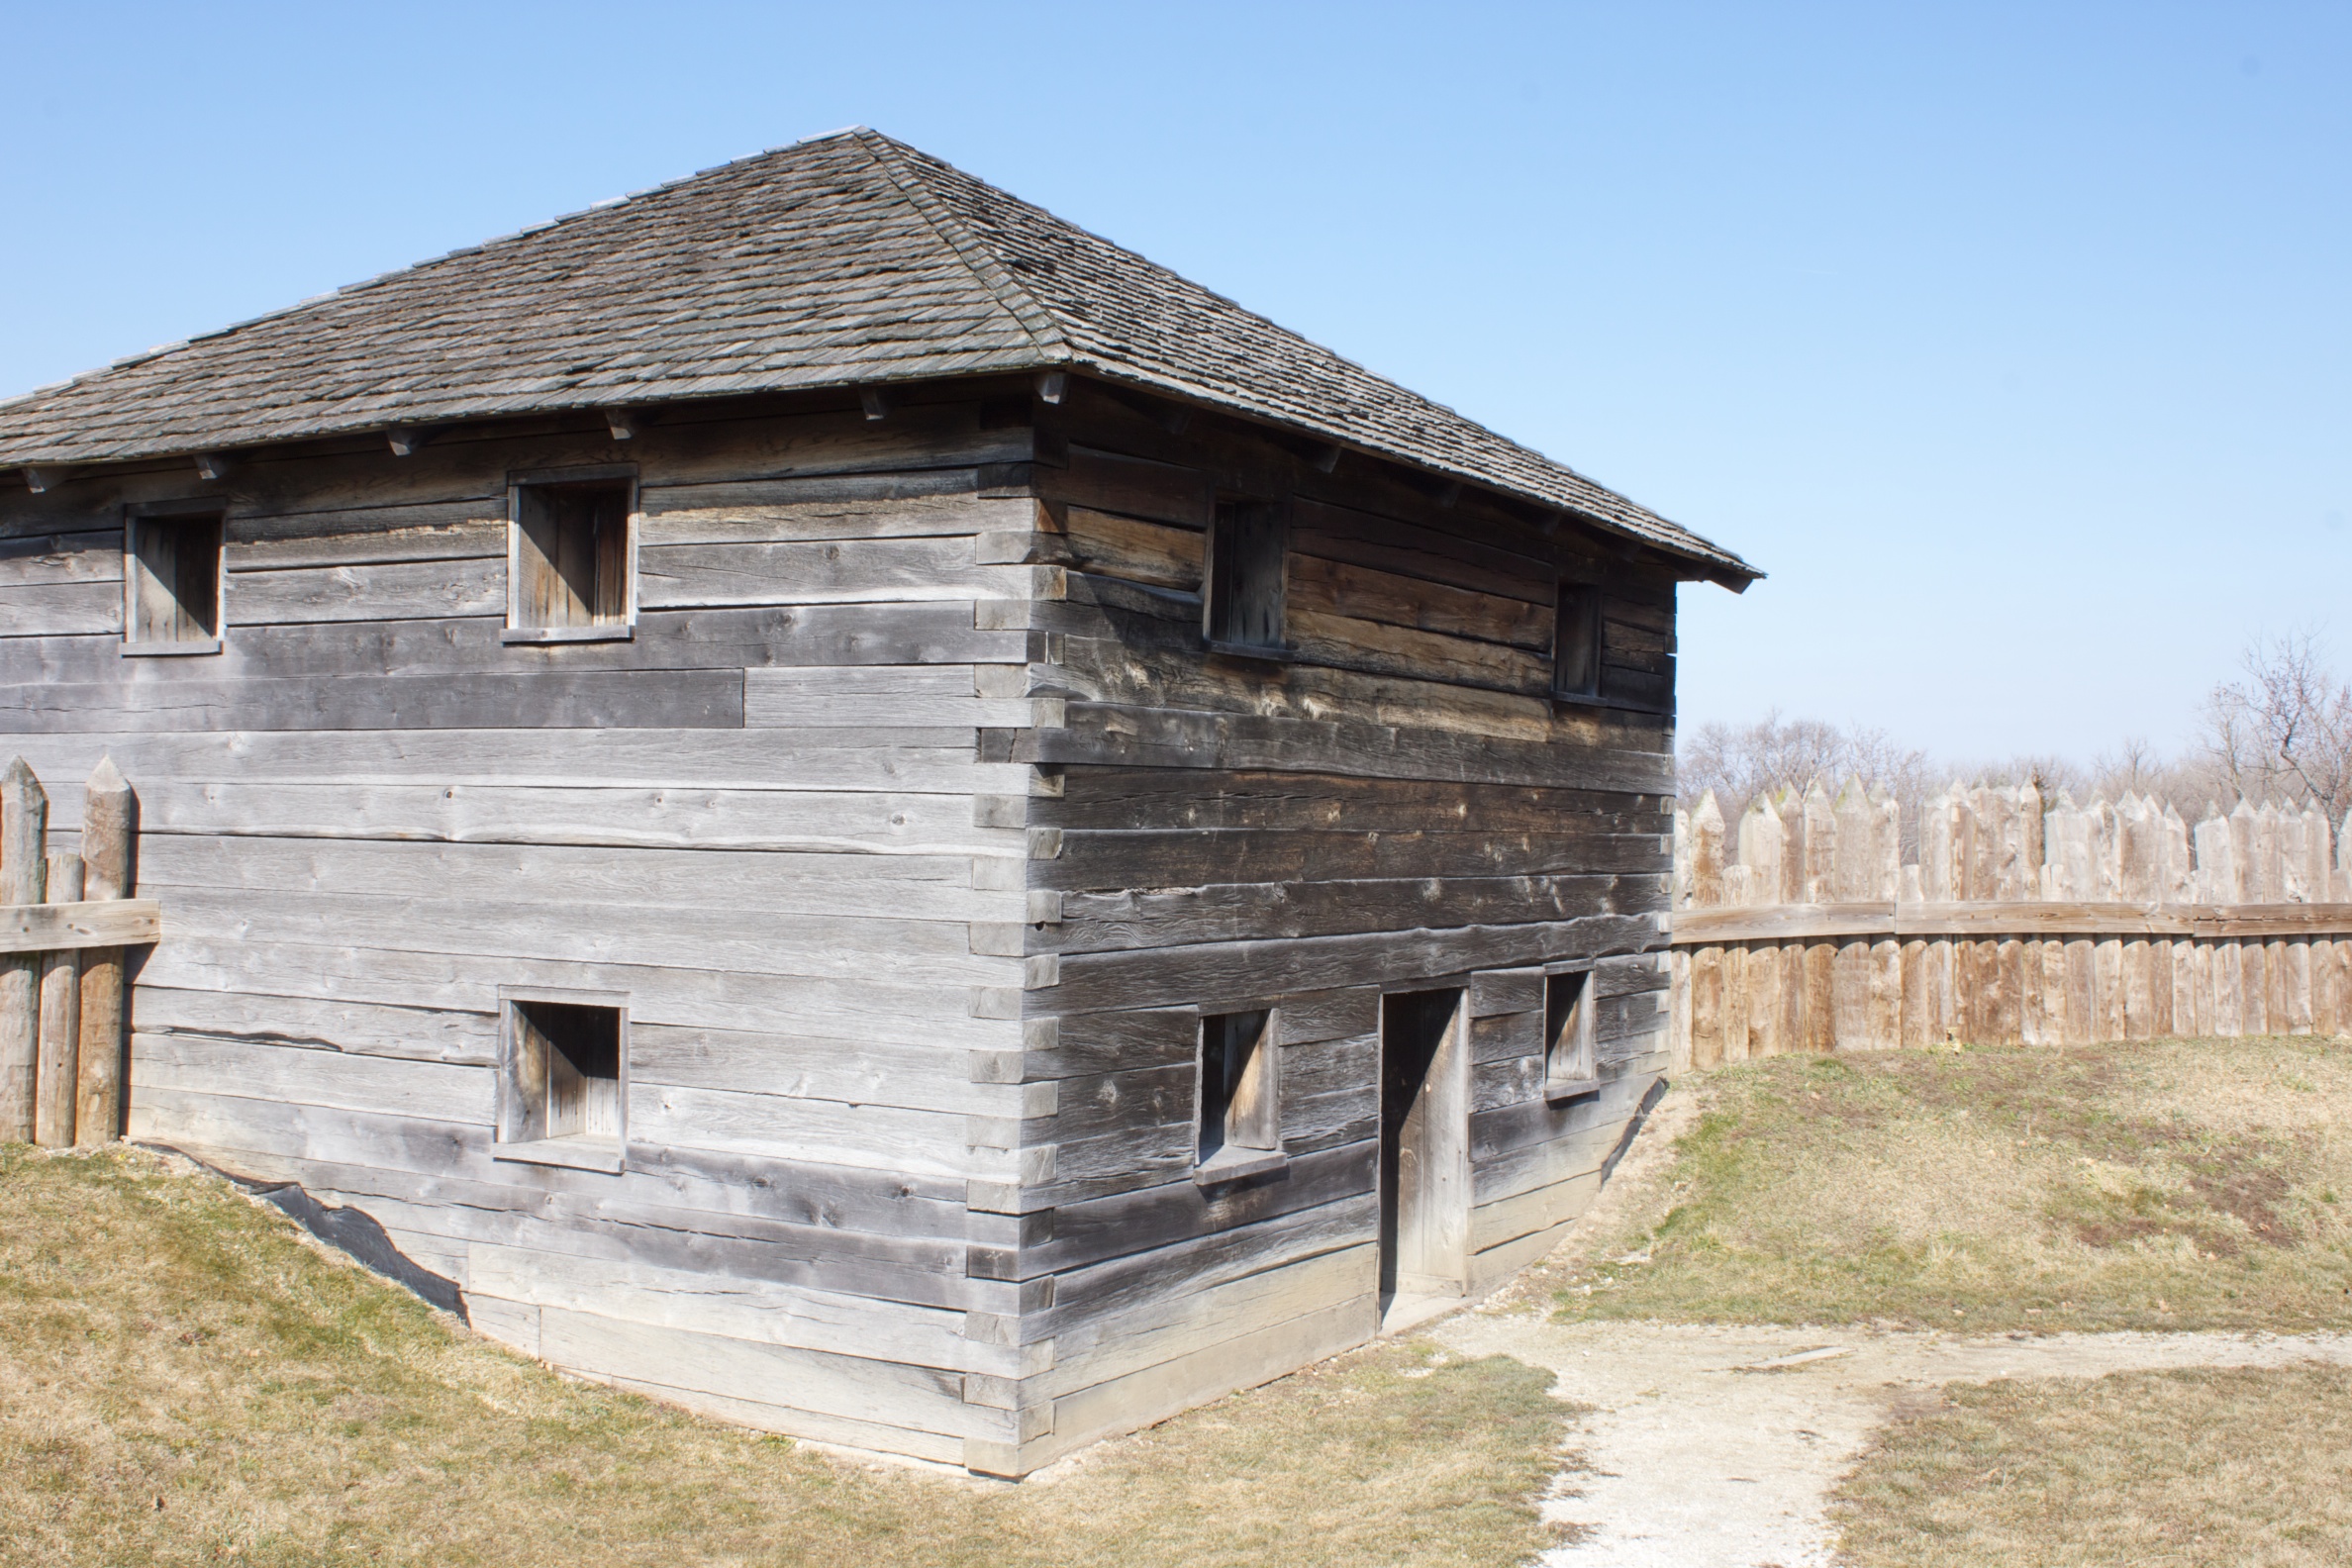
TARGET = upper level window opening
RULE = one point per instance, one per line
(573, 558)
(1242, 588)
(1576, 641)
(171, 583)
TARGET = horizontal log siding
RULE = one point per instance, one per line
(920, 829)
(1395, 805)
(765, 817)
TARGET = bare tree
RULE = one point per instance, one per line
(2284, 729)
(1742, 762)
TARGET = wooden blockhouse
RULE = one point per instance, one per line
(855, 808)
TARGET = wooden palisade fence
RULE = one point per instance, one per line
(1801, 927)
(65, 919)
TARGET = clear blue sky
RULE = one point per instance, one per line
(2013, 341)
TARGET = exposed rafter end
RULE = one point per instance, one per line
(875, 401)
(1051, 384)
(42, 478)
(1448, 493)
(409, 440)
(1326, 458)
(627, 423)
(212, 465)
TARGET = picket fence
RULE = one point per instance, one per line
(1802, 927)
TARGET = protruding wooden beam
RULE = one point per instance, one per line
(1051, 384)
(1448, 493)
(212, 465)
(44, 478)
(1326, 456)
(875, 401)
(409, 440)
(627, 423)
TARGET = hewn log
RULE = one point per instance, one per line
(24, 876)
(110, 836)
(61, 1020)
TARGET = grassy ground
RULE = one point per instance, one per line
(2208, 1469)
(2178, 1183)
(184, 1380)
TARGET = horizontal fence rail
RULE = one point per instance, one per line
(1803, 928)
(65, 919)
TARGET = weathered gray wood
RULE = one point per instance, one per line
(399, 590)
(360, 1028)
(1246, 969)
(891, 696)
(765, 513)
(76, 923)
(756, 638)
(781, 574)
(1121, 797)
(897, 761)
(811, 821)
(76, 607)
(58, 1069)
(291, 1074)
(910, 1013)
(23, 878)
(1096, 860)
(82, 556)
(109, 850)
(864, 1071)
(805, 918)
(1121, 736)
(510, 699)
(368, 537)
(878, 887)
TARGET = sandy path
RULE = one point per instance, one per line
(1695, 1463)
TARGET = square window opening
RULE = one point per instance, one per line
(565, 1072)
(1239, 1110)
(572, 555)
(1241, 606)
(174, 579)
(1568, 1028)
(1576, 641)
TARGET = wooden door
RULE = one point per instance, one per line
(1424, 1145)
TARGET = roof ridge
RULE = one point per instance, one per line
(1018, 302)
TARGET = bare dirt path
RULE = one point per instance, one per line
(1692, 1459)
(1696, 1456)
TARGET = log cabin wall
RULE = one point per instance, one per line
(919, 831)
(763, 819)
(1395, 805)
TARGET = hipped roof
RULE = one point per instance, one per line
(848, 260)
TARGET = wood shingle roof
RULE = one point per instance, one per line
(848, 260)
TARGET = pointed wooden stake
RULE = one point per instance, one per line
(24, 876)
(110, 836)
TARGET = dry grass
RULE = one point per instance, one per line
(184, 1380)
(2233, 1469)
(2176, 1183)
